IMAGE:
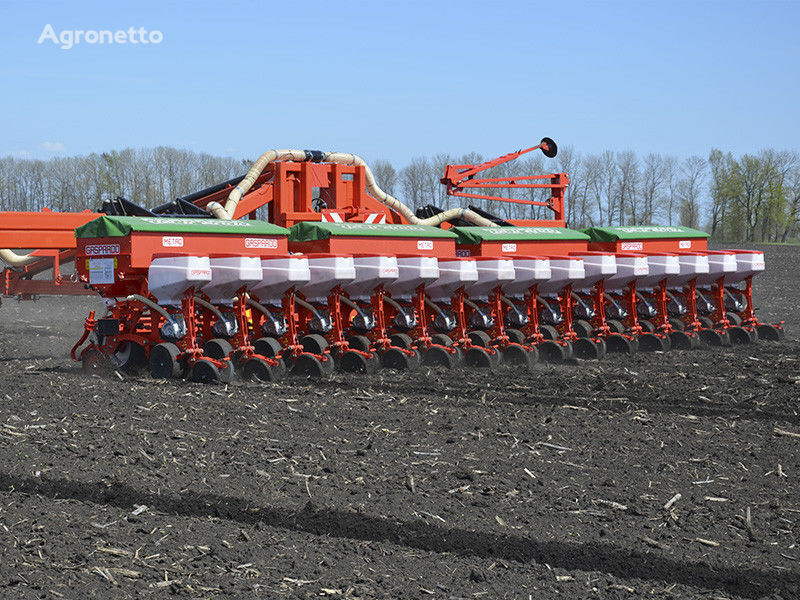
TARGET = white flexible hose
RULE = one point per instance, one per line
(226, 212)
(16, 260)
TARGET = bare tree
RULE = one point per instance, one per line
(690, 187)
(653, 179)
(385, 175)
(792, 224)
(671, 177)
(415, 181)
(605, 186)
(627, 185)
(721, 166)
(569, 161)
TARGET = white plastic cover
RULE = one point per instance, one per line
(527, 273)
(491, 274)
(371, 271)
(748, 263)
(595, 268)
(278, 275)
(326, 273)
(168, 278)
(692, 266)
(413, 271)
(720, 264)
(629, 267)
(660, 267)
(563, 271)
(453, 274)
(228, 275)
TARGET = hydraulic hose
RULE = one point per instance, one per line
(347, 302)
(471, 304)
(432, 305)
(277, 325)
(216, 312)
(391, 302)
(226, 212)
(146, 301)
(307, 306)
(507, 302)
(258, 306)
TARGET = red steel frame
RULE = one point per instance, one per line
(53, 236)
(458, 178)
(287, 191)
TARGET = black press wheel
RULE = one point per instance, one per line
(354, 362)
(478, 357)
(647, 326)
(328, 364)
(307, 365)
(130, 357)
(620, 344)
(401, 340)
(552, 352)
(226, 372)
(586, 349)
(436, 356)
(769, 333)
(267, 346)
(680, 340)
(677, 324)
(217, 348)
(396, 359)
(616, 326)
(706, 322)
(479, 338)
(650, 342)
(602, 348)
(548, 332)
(358, 342)
(204, 371)
(442, 339)
(582, 328)
(164, 361)
(257, 369)
(739, 336)
(515, 355)
(515, 335)
(712, 337)
(314, 343)
(733, 319)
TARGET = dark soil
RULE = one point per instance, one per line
(543, 484)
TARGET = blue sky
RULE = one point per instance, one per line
(401, 79)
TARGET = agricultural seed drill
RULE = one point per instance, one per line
(341, 274)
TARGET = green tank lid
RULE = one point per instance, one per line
(476, 235)
(642, 232)
(122, 226)
(308, 231)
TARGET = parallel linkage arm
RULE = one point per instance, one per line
(458, 178)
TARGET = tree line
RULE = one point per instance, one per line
(753, 197)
